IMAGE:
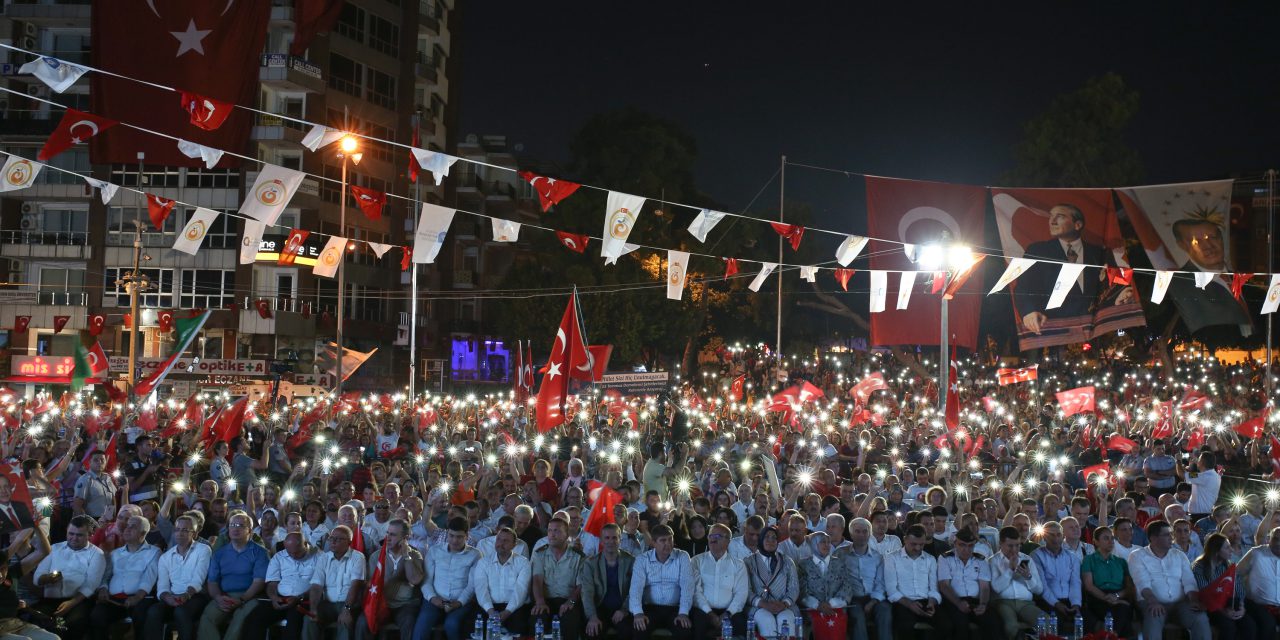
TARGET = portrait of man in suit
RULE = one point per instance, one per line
(15, 515)
(1201, 239)
(1066, 245)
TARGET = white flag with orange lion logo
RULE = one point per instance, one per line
(197, 228)
(620, 217)
(271, 193)
(330, 257)
(18, 173)
(677, 268)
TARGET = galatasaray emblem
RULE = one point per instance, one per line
(675, 275)
(620, 223)
(272, 194)
(196, 231)
(330, 257)
(19, 174)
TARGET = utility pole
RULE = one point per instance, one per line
(782, 218)
(135, 281)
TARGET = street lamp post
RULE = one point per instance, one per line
(349, 146)
(951, 259)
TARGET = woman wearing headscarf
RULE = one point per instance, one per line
(775, 586)
(825, 585)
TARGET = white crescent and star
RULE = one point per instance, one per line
(93, 126)
(191, 39)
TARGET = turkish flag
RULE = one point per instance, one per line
(1195, 440)
(1164, 420)
(574, 242)
(550, 190)
(1252, 428)
(20, 323)
(730, 267)
(96, 322)
(1119, 276)
(305, 426)
(603, 499)
(1192, 400)
(1238, 281)
(264, 308)
(842, 276)
(527, 372)
(1274, 454)
(59, 322)
(567, 352)
(597, 361)
(206, 113)
(867, 386)
(370, 201)
(229, 423)
(289, 253)
(1103, 470)
(158, 209)
(213, 48)
(1121, 444)
(21, 492)
(76, 127)
(790, 232)
(313, 17)
(1007, 375)
(376, 610)
(147, 418)
(1217, 593)
(128, 321)
(406, 258)
(1073, 401)
(828, 626)
(916, 212)
(416, 143)
(191, 415)
(165, 319)
(736, 390)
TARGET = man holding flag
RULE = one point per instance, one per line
(397, 570)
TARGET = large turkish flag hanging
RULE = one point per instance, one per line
(917, 212)
(211, 48)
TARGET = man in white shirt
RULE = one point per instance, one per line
(1260, 571)
(746, 544)
(882, 542)
(796, 545)
(70, 575)
(1015, 581)
(502, 582)
(867, 597)
(661, 593)
(375, 528)
(720, 587)
(337, 585)
(1162, 577)
(288, 584)
(129, 577)
(964, 581)
(1205, 483)
(180, 574)
(447, 587)
(911, 581)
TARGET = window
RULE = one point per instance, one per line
(121, 223)
(284, 285)
(71, 47)
(126, 175)
(379, 150)
(345, 74)
(381, 89)
(437, 106)
(74, 159)
(159, 294)
(202, 178)
(331, 182)
(207, 288)
(351, 23)
(384, 36)
(61, 286)
(64, 221)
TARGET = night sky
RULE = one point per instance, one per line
(932, 93)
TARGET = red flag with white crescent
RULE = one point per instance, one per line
(96, 322)
(370, 201)
(567, 352)
(76, 127)
(574, 242)
(59, 322)
(1006, 375)
(289, 253)
(20, 323)
(1073, 401)
(206, 113)
(376, 610)
(550, 190)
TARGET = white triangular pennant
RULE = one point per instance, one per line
(197, 228)
(704, 223)
(626, 248)
(271, 193)
(905, 286)
(765, 269)
(1066, 282)
(809, 274)
(910, 250)
(251, 241)
(879, 290)
(849, 249)
(1163, 278)
(18, 173)
(505, 230)
(1017, 267)
(320, 136)
(58, 74)
(105, 189)
(677, 270)
(428, 238)
(435, 162)
(620, 215)
(1203, 279)
(1273, 295)
(330, 257)
(210, 155)
(379, 249)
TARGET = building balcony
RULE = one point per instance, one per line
(464, 279)
(67, 245)
(277, 131)
(426, 71)
(290, 73)
(42, 305)
(289, 317)
(427, 18)
(282, 12)
(59, 13)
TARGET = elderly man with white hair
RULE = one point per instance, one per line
(130, 576)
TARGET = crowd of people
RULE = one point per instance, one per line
(717, 509)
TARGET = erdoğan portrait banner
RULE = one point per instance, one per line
(210, 48)
(1057, 227)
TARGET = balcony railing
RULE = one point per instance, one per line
(62, 297)
(64, 238)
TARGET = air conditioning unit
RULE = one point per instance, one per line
(15, 266)
(30, 29)
(28, 208)
(31, 221)
(37, 90)
(27, 42)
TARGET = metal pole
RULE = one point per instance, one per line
(944, 362)
(782, 217)
(413, 301)
(1271, 220)
(342, 271)
(134, 280)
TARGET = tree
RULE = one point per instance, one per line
(1079, 140)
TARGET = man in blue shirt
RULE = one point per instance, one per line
(237, 576)
(1060, 574)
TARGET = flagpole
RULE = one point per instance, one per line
(782, 218)
(134, 280)
(413, 296)
(1271, 217)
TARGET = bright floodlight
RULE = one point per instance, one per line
(349, 144)
(930, 257)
